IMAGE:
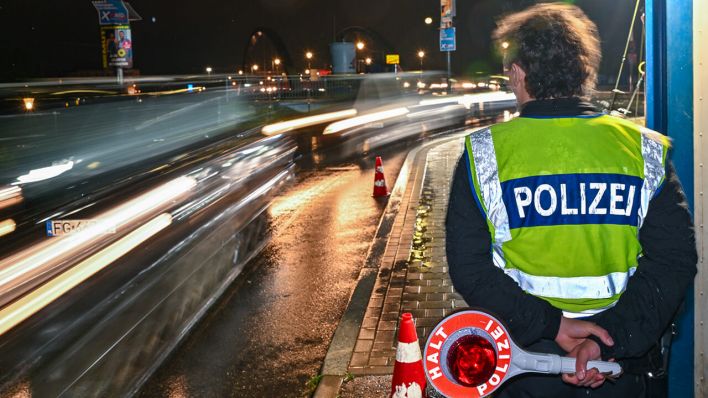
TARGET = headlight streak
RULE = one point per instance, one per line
(434, 112)
(365, 119)
(10, 196)
(289, 125)
(7, 227)
(469, 99)
(26, 306)
(18, 267)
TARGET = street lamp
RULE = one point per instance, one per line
(254, 68)
(367, 63)
(29, 104)
(208, 70)
(309, 56)
(428, 20)
(276, 64)
(421, 55)
(359, 62)
(504, 45)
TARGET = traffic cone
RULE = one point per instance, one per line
(379, 180)
(408, 374)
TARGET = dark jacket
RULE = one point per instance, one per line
(653, 293)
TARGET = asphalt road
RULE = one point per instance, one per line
(269, 334)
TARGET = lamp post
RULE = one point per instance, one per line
(254, 68)
(367, 63)
(421, 55)
(504, 45)
(208, 70)
(359, 67)
(276, 64)
(309, 56)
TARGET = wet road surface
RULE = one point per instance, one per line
(269, 334)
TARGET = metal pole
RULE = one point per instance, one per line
(309, 87)
(641, 57)
(119, 75)
(634, 94)
(449, 73)
(624, 55)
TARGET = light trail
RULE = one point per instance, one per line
(364, 119)
(289, 125)
(40, 297)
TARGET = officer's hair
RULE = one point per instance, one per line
(556, 45)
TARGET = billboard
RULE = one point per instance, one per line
(116, 46)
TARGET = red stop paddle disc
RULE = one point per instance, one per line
(468, 354)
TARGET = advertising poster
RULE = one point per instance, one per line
(117, 46)
(111, 12)
(447, 13)
(447, 39)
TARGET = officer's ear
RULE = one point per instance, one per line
(517, 83)
(517, 74)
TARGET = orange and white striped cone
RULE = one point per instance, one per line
(379, 180)
(408, 374)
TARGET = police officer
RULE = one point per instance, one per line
(568, 223)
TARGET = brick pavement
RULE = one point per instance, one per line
(412, 276)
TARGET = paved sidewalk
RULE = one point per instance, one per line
(412, 275)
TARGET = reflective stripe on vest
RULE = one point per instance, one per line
(485, 161)
(587, 313)
(589, 287)
(653, 154)
(483, 158)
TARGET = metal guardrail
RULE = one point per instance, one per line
(66, 93)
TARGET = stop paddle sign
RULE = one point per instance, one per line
(470, 354)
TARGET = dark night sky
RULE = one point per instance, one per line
(61, 37)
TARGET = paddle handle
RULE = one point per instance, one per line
(612, 369)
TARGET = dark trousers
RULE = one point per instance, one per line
(534, 385)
